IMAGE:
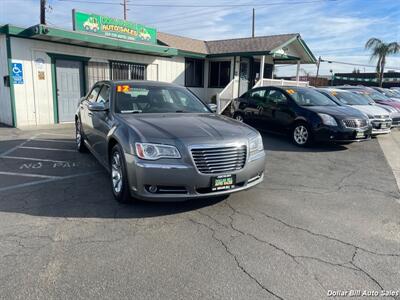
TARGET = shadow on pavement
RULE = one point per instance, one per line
(281, 142)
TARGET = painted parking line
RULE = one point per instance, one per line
(16, 147)
(36, 159)
(28, 184)
(46, 149)
(54, 140)
(28, 175)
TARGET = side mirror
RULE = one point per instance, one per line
(213, 107)
(97, 106)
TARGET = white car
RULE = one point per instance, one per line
(379, 117)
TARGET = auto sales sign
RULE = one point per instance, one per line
(115, 28)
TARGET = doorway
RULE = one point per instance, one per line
(70, 88)
(244, 75)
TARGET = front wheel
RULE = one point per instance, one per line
(79, 139)
(119, 179)
(301, 135)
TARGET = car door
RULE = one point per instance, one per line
(255, 106)
(280, 113)
(85, 113)
(101, 123)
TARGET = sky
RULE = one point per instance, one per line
(336, 30)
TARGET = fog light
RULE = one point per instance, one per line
(153, 189)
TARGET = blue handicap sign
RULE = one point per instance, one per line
(17, 73)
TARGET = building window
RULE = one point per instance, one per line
(194, 72)
(220, 74)
(127, 71)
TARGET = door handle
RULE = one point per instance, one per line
(90, 114)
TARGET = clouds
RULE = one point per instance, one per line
(335, 30)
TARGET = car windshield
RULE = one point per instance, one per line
(349, 98)
(309, 97)
(377, 96)
(140, 98)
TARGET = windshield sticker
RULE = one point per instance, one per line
(334, 93)
(291, 92)
(123, 88)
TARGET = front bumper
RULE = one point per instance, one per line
(381, 126)
(179, 181)
(341, 134)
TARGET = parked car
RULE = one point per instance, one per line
(378, 117)
(390, 105)
(160, 142)
(394, 92)
(305, 113)
(387, 92)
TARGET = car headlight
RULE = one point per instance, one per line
(328, 120)
(156, 151)
(256, 145)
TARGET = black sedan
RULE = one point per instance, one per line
(303, 112)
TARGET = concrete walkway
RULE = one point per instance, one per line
(390, 145)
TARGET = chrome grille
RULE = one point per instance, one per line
(355, 123)
(381, 116)
(220, 160)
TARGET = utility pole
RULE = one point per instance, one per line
(43, 12)
(253, 23)
(125, 5)
(318, 63)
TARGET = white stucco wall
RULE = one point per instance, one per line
(34, 98)
(5, 101)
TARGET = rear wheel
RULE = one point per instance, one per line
(301, 135)
(119, 179)
(238, 117)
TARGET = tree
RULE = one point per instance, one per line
(380, 50)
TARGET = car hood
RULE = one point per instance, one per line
(337, 111)
(391, 103)
(187, 127)
(371, 110)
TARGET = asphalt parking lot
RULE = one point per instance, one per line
(325, 218)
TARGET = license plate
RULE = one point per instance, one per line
(384, 125)
(223, 182)
(360, 135)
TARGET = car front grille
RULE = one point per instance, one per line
(355, 123)
(220, 160)
(381, 117)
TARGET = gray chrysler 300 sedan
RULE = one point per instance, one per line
(160, 142)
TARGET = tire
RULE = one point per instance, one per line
(118, 176)
(238, 117)
(79, 137)
(301, 135)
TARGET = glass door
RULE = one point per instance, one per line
(244, 75)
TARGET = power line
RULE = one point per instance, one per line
(355, 64)
(201, 5)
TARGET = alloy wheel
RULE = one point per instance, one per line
(239, 118)
(78, 134)
(116, 172)
(300, 135)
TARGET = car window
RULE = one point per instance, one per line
(309, 97)
(276, 97)
(133, 98)
(104, 96)
(94, 93)
(257, 95)
(351, 98)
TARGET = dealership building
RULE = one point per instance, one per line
(46, 70)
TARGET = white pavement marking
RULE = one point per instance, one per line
(47, 149)
(35, 159)
(16, 147)
(28, 175)
(390, 145)
(56, 134)
(17, 186)
(55, 141)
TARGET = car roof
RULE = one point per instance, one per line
(138, 82)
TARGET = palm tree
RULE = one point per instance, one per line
(380, 50)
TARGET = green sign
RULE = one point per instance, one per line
(114, 28)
